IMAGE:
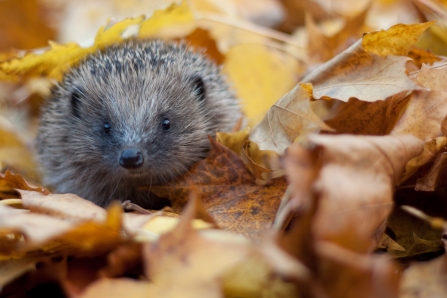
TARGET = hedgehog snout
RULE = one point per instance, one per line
(131, 158)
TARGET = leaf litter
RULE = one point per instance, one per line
(293, 203)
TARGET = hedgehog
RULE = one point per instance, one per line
(133, 115)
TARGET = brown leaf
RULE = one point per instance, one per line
(199, 39)
(431, 149)
(322, 48)
(258, 275)
(423, 115)
(65, 206)
(345, 274)
(229, 192)
(367, 118)
(81, 272)
(124, 260)
(427, 279)
(288, 118)
(432, 78)
(10, 182)
(123, 287)
(420, 57)
(360, 74)
(183, 260)
(34, 227)
(435, 175)
(91, 238)
(13, 268)
(355, 183)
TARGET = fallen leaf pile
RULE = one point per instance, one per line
(332, 185)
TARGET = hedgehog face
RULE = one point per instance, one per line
(134, 115)
(145, 127)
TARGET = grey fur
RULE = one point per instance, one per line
(133, 86)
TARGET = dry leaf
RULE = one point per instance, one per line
(367, 118)
(9, 182)
(421, 57)
(233, 140)
(182, 261)
(276, 74)
(361, 73)
(123, 287)
(355, 183)
(11, 269)
(322, 48)
(175, 15)
(34, 227)
(423, 115)
(427, 279)
(356, 73)
(65, 206)
(201, 40)
(435, 175)
(288, 118)
(58, 59)
(23, 25)
(257, 277)
(397, 40)
(432, 78)
(345, 274)
(91, 238)
(229, 192)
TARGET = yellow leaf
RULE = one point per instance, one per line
(260, 76)
(233, 140)
(173, 15)
(59, 58)
(107, 36)
(395, 41)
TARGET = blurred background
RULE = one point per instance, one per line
(298, 34)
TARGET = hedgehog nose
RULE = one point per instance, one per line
(131, 158)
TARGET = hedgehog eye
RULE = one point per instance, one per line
(75, 103)
(199, 87)
(166, 124)
(107, 127)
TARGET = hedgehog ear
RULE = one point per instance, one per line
(199, 87)
(75, 100)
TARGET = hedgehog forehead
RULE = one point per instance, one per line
(141, 98)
